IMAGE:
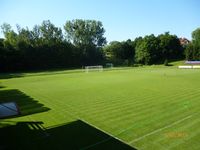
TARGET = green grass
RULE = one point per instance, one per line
(146, 107)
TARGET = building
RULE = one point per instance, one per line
(184, 42)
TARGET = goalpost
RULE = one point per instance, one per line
(109, 65)
(94, 68)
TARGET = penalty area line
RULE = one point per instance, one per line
(160, 129)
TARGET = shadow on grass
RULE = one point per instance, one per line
(76, 135)
(10, 75)
(26, 104)
(1, 86)
(169, 65)
(39, 73)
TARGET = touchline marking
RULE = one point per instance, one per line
(103, 141)
(100, 142)
(160, 129)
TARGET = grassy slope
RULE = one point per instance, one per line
(130, 104)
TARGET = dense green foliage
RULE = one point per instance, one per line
(120, 52)
(150, 108)
(45, 46)
(87, 36)
(192, 51)
(85, 32)
(83, 43)
(147, 50)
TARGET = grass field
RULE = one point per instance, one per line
(146, 107)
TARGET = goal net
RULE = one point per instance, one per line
(94, 68)
(109, 65)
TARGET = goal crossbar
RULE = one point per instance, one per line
(94, 68)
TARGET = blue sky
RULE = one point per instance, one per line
(122, 19)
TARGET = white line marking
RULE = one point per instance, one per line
(105, 140)
(160, 129)
(102, 141)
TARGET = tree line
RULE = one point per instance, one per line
(46, 46)
(80, 43)
(148, 50)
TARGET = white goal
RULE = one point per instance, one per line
(109, 65)
(93, 68)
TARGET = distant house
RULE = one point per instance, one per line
(184, 42)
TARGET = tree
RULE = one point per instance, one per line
(114, 52)
(196, 37)
(49, 33)
(87, 36)
(147, 49)
(166, 62)
(120, 52)
(6, 29)
(142, 54)
(40, 48)
(85, 32)
(129, 51)
(196, 43)
(192, 51)
(10, 36)
(189, 52)
(170, 47)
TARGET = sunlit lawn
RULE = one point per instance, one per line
(145, 107)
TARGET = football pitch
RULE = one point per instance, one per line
(146, 108)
